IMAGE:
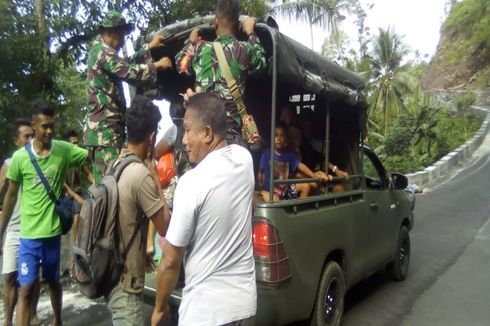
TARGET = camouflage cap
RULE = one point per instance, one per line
(114, 19)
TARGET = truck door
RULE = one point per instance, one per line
(381, 208)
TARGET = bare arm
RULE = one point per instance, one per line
(73, 194)
(310, 174)
(306, 170)
(260, 178)
(3, 175)
(338, 172)
(161, 148)
(8, 208)
(168, 275)
(160, 219)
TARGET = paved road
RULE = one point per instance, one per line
(448, 281)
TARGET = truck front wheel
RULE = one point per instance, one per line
(329, 304)
(398, 268)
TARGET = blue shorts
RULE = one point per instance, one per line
(39, 252)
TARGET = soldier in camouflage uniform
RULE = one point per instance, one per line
(198, 58)
(104, 124)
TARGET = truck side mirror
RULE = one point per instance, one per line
(399, 181)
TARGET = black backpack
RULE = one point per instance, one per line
(98, 263)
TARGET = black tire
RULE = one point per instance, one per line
(398, 268)
(329, 303)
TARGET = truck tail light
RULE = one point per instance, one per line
(271, 260)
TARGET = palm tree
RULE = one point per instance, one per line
(388, 83)
(325, 13)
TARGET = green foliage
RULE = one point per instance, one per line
(464, 102)
(388, 83)
(325, 13)
(470, 20)
(42, 42)
(424, 134)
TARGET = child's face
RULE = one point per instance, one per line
(280, 139)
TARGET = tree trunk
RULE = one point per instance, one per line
(41, 23)
(311, 31)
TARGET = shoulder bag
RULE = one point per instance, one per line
(250, 132)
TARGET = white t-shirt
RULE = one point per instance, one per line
(212, 217)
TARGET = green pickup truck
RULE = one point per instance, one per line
(310, 251)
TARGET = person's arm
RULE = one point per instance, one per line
(167, 277)
(8, 208)
(184, 58)
(150, 248)
(255, 50)
(161, 218)
(132, 73)
(89, 175)
(143, 54)
(73, 194)
(310, 174)
(260, 178)
(3, 175)
(162, 147)
(338, 172)
(166, 144)
(76, 216)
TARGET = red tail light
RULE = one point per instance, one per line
(271, 260)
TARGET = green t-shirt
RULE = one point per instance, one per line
(39, 218)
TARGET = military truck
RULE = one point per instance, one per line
(309, 252)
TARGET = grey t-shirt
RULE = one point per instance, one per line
(170, 135)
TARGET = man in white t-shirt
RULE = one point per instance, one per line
(211, 227)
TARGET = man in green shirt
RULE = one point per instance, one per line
(40, 229)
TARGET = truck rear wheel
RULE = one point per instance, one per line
(329, 304)
(398, 268)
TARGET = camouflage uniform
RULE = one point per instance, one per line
(104, 130)
(243, 58)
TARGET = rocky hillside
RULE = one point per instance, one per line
(462, 60)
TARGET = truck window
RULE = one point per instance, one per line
(371, 174)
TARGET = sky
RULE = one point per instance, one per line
(417, 21)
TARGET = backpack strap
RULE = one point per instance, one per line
(133, 237)
(230, 81)
(116, 168)
(40, 173)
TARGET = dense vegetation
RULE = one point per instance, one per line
(406, 129)
(463, 54)
(44, 46)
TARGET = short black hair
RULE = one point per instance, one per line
(280, 124)
(212, 111)
(141, 119)
(228, 11)
(16, 126)
(176, 109)
(41, 107)
(70, 133)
